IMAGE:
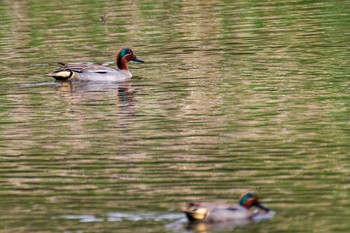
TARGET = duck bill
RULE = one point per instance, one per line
(137, 59)
(261, 206)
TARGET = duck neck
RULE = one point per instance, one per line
(122, 63)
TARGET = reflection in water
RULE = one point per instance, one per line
(112, 106)
(77, 92)
(216, 227)
(235, 94)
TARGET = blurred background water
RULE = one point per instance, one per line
(233, 95)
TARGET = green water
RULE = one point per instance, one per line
(233, 95)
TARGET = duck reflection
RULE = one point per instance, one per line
(202, 227)
(76, 92)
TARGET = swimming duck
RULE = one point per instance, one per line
(221, 212)
(94, 72)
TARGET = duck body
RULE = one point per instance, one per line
(90, 72)
(213, 212)
(97, 73)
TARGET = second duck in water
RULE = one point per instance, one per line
(221, 212)
(97, 73)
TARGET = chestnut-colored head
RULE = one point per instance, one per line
(249, 199)
(124, 55)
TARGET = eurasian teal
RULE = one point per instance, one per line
(221, 212)
(97, 73)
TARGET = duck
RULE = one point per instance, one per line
(214, 212)
(95, 72)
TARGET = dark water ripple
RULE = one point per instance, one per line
(233, 96)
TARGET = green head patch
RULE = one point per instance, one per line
(245, 198)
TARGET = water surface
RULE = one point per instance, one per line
(233, 95)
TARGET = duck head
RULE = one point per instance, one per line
(249, 199)
(124, 55)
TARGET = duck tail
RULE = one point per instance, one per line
(194, 213)
(62, 73)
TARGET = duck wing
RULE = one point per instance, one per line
(66, 70)
(84, 67)
(211, 205)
